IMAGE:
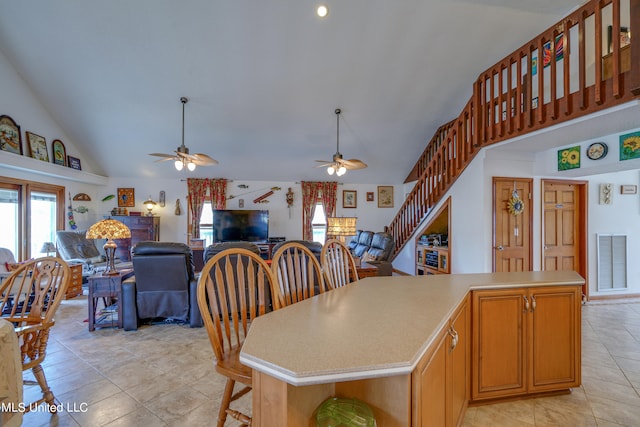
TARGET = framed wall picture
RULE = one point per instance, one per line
(59, 153)
(630, 146)
(349, 199)
(126, 197)
(74, 163)
(10, 139)
(385, 196)
(37, 147)
(370, 196)
(569, 158)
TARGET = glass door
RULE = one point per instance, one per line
(10, 208)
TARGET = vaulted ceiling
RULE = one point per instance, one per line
(263, 77)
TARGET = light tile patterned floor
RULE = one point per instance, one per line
(163, 375)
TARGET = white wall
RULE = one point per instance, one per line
(19, 102)
(471, 224)
(283, 222)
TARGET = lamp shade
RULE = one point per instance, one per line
(47, 247)
(341, 226)
(108, 229)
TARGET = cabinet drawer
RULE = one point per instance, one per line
(75, 283)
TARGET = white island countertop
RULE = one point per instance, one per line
(375, 327)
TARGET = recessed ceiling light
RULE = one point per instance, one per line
(322, 11)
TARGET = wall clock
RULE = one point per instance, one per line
(597, 150)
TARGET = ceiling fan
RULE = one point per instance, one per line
(338, 164)
(182, 157)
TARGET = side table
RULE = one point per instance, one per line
(367, 270)
(106, 287)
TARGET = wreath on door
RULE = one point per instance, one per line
(515, 204)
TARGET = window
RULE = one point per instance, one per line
(31, 213)
(206, 224)
(319, 224)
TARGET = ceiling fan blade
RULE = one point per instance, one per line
(353, 164)
(323, 165)
(166, 159)
(162, 155)
(358, 165)
(204, 160)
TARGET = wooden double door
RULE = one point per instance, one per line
(563, 226)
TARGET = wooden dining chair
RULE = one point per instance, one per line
(235, 286)
(338, 264)
(298, 273)
(29, 298)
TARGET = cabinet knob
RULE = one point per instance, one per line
(533, 302)
(526, 303)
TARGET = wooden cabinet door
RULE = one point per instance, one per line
(430, 386)
(441, 380)
(555, 327)
(498, 348)
(459, 358)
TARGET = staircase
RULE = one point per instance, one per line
(551, 79)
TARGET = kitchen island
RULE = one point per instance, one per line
(404, 345)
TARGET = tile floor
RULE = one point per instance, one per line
(163, 375)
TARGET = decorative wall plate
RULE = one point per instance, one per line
(82, 197)
(597, 150)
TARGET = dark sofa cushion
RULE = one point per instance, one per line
(212, 250)
(381, 246)
(364, 242)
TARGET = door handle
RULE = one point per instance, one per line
(500, 248)
(454, 338)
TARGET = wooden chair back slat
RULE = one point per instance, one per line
(235, 287)
(298, 273)
(29, 298)
(338, 264)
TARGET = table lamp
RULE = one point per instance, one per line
(341, 227)
(149, 204)
(48, 248)
(109, 229)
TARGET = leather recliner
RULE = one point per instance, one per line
(314, 247)
(354, 240)
(378, 246)
(163, 285)
(364, 242)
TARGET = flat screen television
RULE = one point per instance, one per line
(240, 225)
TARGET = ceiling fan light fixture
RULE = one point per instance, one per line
(178, 164)
(338, 164)
(322, 11)
(191, 166)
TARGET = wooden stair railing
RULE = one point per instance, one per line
(503, 105)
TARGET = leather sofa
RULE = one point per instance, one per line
(163, 286)
(216, 248)
(375, 248)
(314, 247)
